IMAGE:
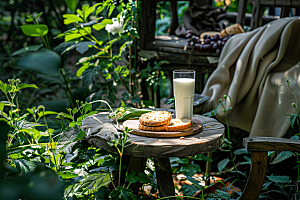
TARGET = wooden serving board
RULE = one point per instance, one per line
(134, 125)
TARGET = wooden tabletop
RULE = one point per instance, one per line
(100, 130)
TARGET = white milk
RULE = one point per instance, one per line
(184, 90)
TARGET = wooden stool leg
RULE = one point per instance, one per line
(256, 176)
(208, 168)
(138, 165)
(164, 177)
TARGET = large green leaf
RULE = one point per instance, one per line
(43, 61)
(71, 4)
(282, 156)
(222, 164)
(24, 166)
(27, 49)
(35, 30)
(279, 179)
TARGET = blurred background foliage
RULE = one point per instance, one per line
(52, 92)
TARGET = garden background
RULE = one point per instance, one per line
(62, 61)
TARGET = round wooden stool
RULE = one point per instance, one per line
(100, 130)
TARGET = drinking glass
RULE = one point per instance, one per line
(184, 91)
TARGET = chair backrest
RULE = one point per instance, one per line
(257, 18)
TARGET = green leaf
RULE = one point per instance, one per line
(194, 181)
(189, 190)
(74, 34)
(4, 87)
(222, 194)
(24, 166)
(222, 164)
(87, 107)
(27, 49)
(190, 170)
(203, 157)
(47, 113)
(25, 85)
(142, 178)
(101, 8)
(81, 135)
(121, 193)
(71, 18)
(131, 113)
(38, 15)
(43, 61)
(79, 12)
(130, 176)
(71, 4)
(295, 137)
(1, 106)
(123, 47)
(82, 47)
(87, 10)
(123, 70)
(292, 119)
(74, 111)
(247, 162)
(111, 9)
(82, 69)
(35, 30)
(240, 151)
(102, 24)
(282, 156)
(279, 179)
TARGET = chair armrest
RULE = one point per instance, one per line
(270, 144)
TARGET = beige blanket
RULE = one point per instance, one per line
(252, 70)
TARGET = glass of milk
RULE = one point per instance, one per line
(184, 90)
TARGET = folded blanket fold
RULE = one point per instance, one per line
(252, 70)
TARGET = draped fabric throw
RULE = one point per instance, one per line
(252, 70)
(199, 19)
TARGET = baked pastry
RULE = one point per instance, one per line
(179, 125)
(155, 118)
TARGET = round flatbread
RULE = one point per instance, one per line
(152, 128)
(155, 118)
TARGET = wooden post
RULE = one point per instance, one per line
(174, 17)
(256, 176)
(240, 19)
(164, 177)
